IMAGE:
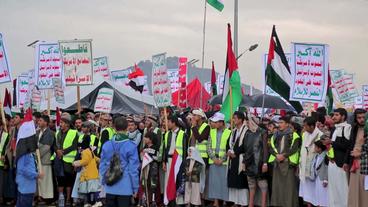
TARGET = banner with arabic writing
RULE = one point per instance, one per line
(220, 83)
(104, 100)
(5, 73)
(120, 77)
(344, 85)
(309, 72)
(22, 90)
(100, 66)
(161, 89)
(48, 64)
(58, 90)
(173, 75)
(77, 61)
(365, 96)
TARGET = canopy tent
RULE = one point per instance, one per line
(125, 100)
(193, 95)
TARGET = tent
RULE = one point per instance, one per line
(193, 95)
(126, 100)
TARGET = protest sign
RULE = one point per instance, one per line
(58, 90)
(220, 83)
(365, 96)
(183, 70)
(344, 85)
(160, 82)
(5, 73)
(173, 75)
(48, 64)
(120, 77)
(104, 100)
(208, 86)
(22, 90)
(309, 72)
(77, 61)
(100, 66)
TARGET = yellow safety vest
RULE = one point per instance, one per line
(54, 155)
(4, 139)
(92, 141)
(202, 147)
(294, 158)
(68, 142)
(224, 140)
(331, 153)
(111, 133)
(178, 142)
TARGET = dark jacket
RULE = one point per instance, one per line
(45, 145)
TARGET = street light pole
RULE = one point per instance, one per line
(236, 28)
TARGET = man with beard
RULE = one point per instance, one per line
(357, 195)
(338, 190)
(78, 125)
(133, 132)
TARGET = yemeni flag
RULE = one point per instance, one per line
(174, 174)
(7, 103)
(213, 80)
(232, 93)
(217, 4)
(136, 79)
(278, 75)
(26, 140)
(329, 99)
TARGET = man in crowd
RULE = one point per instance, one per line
(4, 140)
(45, 142)
(310, 136)
(358, 196)
(338, 189)
(133, 132)
(107, 132)
(66, 149)
(284, 150)
(78, 125)
(174, 141)
(120, 193)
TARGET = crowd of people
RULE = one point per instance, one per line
(96, 159)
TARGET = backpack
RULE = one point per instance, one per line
(115, 172)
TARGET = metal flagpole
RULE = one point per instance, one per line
(203, 45)
(236, 28)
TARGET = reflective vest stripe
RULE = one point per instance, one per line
(92, 141)
(294, 158)
(224, 140)
(68, 142)
(202, 147)
(111, 133)
(178, 143)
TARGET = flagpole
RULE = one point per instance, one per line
(48, 101)
(263, 98)
(203, 45)
(236, 27)
(231, 107)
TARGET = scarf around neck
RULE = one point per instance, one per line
(120, 137)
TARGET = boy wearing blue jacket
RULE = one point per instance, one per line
(120, 193)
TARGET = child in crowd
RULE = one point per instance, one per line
(89, 178)
(319, 174)
(149, 174)
(195, 177)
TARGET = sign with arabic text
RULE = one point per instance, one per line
(22, 90)
(5, 72)
(365, 96)
(309, 72)
(173, 75)
(220, 83)
(77, 61)
(100, 66)
(58, 90)
(104, 100)
(120, 77)
(161, 89)
(344, 85)
(48, 64)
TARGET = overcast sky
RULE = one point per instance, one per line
(128, 31)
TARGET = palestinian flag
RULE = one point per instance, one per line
(7, 103)
(213, 80)
(232, 94)
(329, 97)
(173, 179)
(26, 140)
(278, 75)
(217, 4)
(136, 79)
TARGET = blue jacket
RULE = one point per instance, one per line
(26, 174)
(129, 184)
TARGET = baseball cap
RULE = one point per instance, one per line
(218, 116)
